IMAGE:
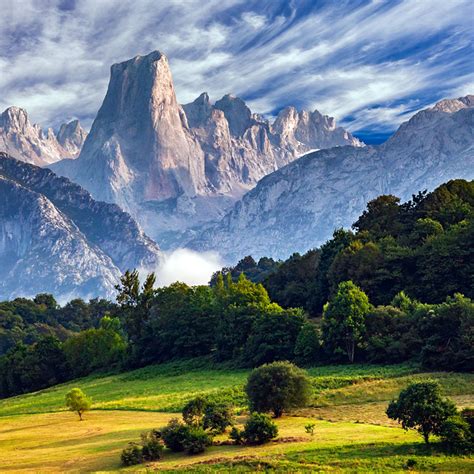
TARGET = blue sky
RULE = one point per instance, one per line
(371, 64)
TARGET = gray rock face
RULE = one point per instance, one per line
(71, 137)
(139, 148)
(29, 143)
(54, 237)
(174, 167)
(298, 207)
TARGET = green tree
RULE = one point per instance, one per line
(259, 429)
(193, 411)
(277, 387)
(381, 218)
(182, 323)
(95, 349)
(421, 407)
(273, 335)
(135, 303)
(217, 417)
(448, 335)
(308, 344)
(77, 401)
(343, 323)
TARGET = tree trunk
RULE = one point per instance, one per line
(80, 415)
(350, 348)
(426, 437)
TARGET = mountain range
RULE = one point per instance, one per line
(173, 167)
(205, 175)
(298, 207)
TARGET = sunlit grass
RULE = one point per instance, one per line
(352, 431)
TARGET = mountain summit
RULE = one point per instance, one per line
(29, 143)
(174, 166)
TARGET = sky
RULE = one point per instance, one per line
(369, 63)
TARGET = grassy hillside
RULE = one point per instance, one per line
(352, 431)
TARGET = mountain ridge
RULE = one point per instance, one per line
(54, 237)
(298, 206)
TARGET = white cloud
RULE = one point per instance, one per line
(254, 20)
(188, 266)
(337, 59)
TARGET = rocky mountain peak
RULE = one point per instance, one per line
(139, 143)
(453, 105)
(15, 118)
(310, 130)
(236, 112)
(298, 206)
(30, 143)
(198, 111)
(71, 134)
(54, 237)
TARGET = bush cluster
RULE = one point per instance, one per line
(258, 429)
(150, 449)
(179, 436)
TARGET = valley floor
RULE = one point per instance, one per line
(352, 432)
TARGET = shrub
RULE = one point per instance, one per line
(456, 435)
(152, 445)
(193, 411)
(76, 400)
(197, 440)
(421, 407)
(151, 449)
(132, 455)
(277, 387)
(309, 428)
(259, 429)
(236, 435)
(174, 435)
(217, 417)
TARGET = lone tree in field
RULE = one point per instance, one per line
(277, 387)
(421, 407)
(76, 400)
(344, 319)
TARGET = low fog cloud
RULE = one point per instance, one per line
(188, 266)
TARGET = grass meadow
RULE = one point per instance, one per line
(352, 433)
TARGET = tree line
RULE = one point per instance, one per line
(357, 298)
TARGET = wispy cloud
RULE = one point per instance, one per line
(369, 63)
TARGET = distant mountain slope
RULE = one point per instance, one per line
(29, 143)
(300, 205)
(174, 166)
(54, 237)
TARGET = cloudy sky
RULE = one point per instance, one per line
(369, 63)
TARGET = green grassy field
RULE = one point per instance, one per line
(352, 431)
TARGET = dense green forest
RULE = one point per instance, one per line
(398, 287)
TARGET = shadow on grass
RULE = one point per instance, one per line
(367, 451)
(370, 457)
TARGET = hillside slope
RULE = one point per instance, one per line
(55, 238)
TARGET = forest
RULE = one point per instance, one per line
(397, 287)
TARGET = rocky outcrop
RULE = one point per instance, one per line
(71, 137)
(54, 237)
(174, 167)
(31, 144)
(298, 207)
